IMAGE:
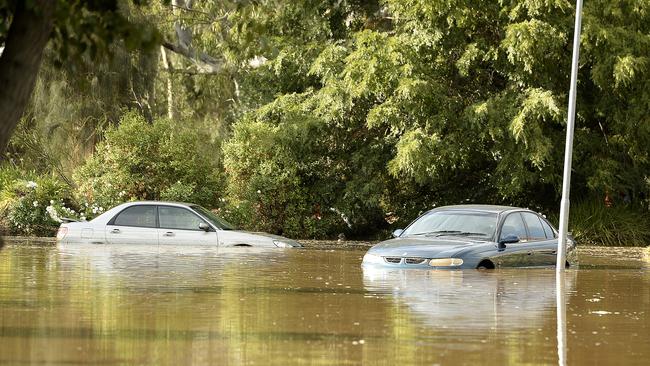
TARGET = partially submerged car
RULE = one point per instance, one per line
(471, 236)
(160, 223)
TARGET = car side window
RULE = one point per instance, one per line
(550, 234)
(535, 229)
(138, 216)
(514, 225)
(178, 218)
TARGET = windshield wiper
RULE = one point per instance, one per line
(439, 232)
(467, 233)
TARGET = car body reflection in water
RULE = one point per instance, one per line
(476, 300)
(136, 260)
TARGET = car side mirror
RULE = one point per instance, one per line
(508, 239)
(397, 233)
(203, 226)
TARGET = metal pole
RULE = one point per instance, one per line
(560, 306)
(568, 152)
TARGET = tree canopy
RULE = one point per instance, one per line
(345, 116)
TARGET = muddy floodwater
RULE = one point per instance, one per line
(315, 306)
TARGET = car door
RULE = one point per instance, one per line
(133, 225)
(545, 239)
(520, 254)
(180, 226)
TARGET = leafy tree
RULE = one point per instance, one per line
(454, 102)
(77, 28)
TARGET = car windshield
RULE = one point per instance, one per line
(454, 223)
(214, 219)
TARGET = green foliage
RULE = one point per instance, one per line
(87, 28)
(274, 173)
(26, 204)
(365, 111)
(592, 223)
(459, 101)
(152, 161)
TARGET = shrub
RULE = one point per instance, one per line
(159, 160)
(592, 223)
(288, 174)
(31, 205)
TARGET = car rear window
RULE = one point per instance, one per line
(139, 216)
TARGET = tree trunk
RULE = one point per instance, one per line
(170, 87)
(20, 61)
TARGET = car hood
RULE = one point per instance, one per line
(273, 237)
(423, 246)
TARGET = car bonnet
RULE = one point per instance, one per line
(423, 247)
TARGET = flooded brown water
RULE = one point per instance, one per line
(197, 306)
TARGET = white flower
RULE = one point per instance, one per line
(258, 191)
(31, 184)
(35, 203)
(53, 214)
(257, 61)
(51, 202)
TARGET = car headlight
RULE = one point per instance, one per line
(445, 262)
(282, 244)
(370, 258)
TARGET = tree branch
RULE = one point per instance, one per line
(204, 63)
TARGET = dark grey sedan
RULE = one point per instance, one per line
(471, 236)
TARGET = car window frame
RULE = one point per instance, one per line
(182, 208)
(554, 231)
(530, 239)
(505, 217)
(111, 222)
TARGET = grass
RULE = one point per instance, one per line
(592, 223)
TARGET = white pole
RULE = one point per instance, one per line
(568, 152)
(560, 306)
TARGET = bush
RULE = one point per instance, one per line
(288, 174)
(592, 223)
(31, 206)
(162, 160)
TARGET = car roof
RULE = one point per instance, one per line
(131, 203)
(485, 208)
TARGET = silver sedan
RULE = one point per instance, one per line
(161, 223)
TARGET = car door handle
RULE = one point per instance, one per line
(115, 231)
(169, 233)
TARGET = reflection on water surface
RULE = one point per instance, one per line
(138, 305)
